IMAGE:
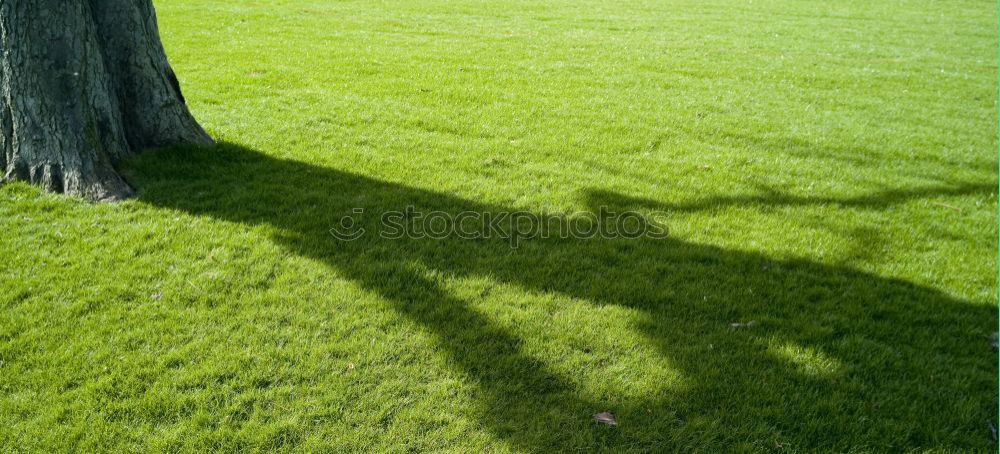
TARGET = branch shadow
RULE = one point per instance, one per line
(834, 359)
(773, 198)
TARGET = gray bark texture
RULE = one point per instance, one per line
(83, 84)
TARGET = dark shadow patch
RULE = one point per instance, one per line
(910, 360)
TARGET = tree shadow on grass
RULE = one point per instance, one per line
(835, 358)
(773, 198)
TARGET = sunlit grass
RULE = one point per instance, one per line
(809, 361)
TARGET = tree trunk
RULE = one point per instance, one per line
(83, 84)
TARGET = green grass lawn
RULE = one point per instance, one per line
(827, 170)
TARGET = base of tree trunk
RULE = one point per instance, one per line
(83, 84)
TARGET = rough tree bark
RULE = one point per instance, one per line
(83, 84)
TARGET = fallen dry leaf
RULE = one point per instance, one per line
(606, 418)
